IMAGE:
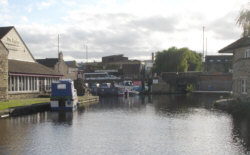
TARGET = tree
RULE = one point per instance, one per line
(244, 19)
(177, 60)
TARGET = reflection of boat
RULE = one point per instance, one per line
(63, 95)
(128, 86)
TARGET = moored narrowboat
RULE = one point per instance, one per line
(63, 95)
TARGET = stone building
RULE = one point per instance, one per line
(3, 72)
(241, 66)
(21, 76)
(72, 69)
(59, 66)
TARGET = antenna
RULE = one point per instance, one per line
(86, 48)
(203, 29)
(206, 46)
(58, 45)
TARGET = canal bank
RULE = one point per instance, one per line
(34, 105)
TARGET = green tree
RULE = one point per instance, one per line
(244, 18)
(177, 60)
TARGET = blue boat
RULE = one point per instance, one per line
(63, 95)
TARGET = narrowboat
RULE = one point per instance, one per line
(63, 95)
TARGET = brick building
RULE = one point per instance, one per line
(114, 58)
(21, 76)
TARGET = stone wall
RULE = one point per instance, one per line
(3, 73)
(241, 71)
(163, 88)
(23, 95)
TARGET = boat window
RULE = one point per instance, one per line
(61, 86)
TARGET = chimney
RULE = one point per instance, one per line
(60, 56)
(246, 30)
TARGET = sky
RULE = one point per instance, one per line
(135, 28)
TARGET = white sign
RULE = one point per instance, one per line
(61, 86)
(155, 81)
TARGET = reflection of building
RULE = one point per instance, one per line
(241, 66)
(21, 76)
(69, 71)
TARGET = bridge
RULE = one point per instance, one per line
(180, 80)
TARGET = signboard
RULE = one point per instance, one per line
(155, 81)
(12, 44)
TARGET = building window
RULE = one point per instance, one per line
(247, 53)
(244, 86)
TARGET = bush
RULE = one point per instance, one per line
(190, 88)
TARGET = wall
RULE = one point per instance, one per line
(162, 88)
(72, 73)
(215, 82)
(63, 69)
(16, 47)
(23, 95)
(3, 73)
(131, 71)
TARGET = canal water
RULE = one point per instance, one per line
(162, 124)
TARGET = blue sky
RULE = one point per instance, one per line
(134, 28)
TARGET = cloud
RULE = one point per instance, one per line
(157, 23)
(3, 2)
(24, 19)
(29, 8)
(44, 4)
(225, 28)
(132, 28)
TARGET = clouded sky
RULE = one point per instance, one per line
(135, 28)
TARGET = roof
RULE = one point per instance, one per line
(118, 55)
(49, 62)
(4, 31)
(25, 67)
(219, 57)
(242, 42)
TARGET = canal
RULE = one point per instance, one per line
(160, 124)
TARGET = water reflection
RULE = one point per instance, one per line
(241, 131)
(159, 124)
(130, 103)
(62, 117)
(180, 103)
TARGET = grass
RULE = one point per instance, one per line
(22, 102)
